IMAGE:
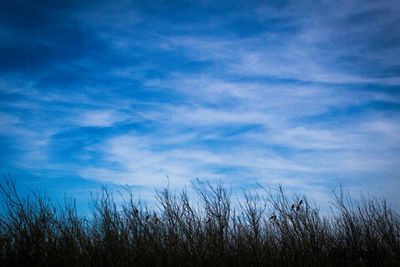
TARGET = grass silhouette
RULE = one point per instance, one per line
(270, 228)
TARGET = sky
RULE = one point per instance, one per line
(305, 94)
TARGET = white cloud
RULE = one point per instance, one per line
(279, 107)
(100, 118)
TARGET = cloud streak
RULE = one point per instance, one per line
(303, 94)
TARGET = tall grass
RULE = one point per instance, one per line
(270, 228)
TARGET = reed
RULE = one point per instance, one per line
(271, 228)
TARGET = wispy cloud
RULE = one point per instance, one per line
(99, 118)
(303, 94)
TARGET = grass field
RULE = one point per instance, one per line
(271, 228)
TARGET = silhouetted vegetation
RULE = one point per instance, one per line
(270, 228)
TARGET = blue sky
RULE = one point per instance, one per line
(301, 93)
